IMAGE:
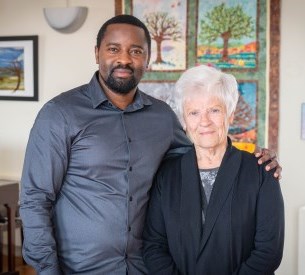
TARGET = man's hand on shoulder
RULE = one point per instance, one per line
(263, 155)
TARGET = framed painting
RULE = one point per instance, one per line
(159, 90)
(19, 68)
(167, 39)
(239, 37)
(168, 23)
(244, 129)
(227, 33)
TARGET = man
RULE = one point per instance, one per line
(90, 161)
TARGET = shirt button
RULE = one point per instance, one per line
(129, 139)
(129, 228)
(126, 256)
(130, 168)
(130, 198)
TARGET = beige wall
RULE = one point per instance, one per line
(291, 147)
(67, 60)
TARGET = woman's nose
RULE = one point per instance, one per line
(205, 118)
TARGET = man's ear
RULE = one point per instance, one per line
(96, 55)
(148, 60)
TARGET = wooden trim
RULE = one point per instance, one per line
(274, 75)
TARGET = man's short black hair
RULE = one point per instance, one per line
(124, 19)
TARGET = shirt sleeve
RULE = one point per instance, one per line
(156, 254)
(45, 165)
(267, 252)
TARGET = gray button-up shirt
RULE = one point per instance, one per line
(86, 179)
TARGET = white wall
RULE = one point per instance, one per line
(67, 60)
(291, 147)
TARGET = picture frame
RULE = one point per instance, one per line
(263, 70)
(19, 68)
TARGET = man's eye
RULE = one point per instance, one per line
(113, 50)
(136, 52)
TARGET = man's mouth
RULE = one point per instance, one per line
(122, 73)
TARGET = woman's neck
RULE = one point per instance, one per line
(210, 157)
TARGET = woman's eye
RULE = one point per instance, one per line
(215, 110)
(193, 113)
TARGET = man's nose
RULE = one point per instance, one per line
(124, 58)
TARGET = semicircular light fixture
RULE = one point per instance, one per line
(66, 19)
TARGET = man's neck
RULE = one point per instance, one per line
(121, 101)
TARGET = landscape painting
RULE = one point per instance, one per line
(227, 33)
(236, 36)
(18, 68)
(11, 68)
(167, 24)
(160, 90)
(243, 130)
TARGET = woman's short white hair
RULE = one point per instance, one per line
(205, 80)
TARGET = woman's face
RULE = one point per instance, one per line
(206, 121)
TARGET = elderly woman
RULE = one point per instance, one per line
(213, 210)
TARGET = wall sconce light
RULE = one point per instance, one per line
(65, 19)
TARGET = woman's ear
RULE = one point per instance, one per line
(183, 124)
(231, 119)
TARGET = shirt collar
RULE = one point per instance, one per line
(98, 96)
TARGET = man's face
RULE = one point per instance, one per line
(122, 57)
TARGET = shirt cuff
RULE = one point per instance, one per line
(51, 271)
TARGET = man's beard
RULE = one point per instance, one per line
(121, 86)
